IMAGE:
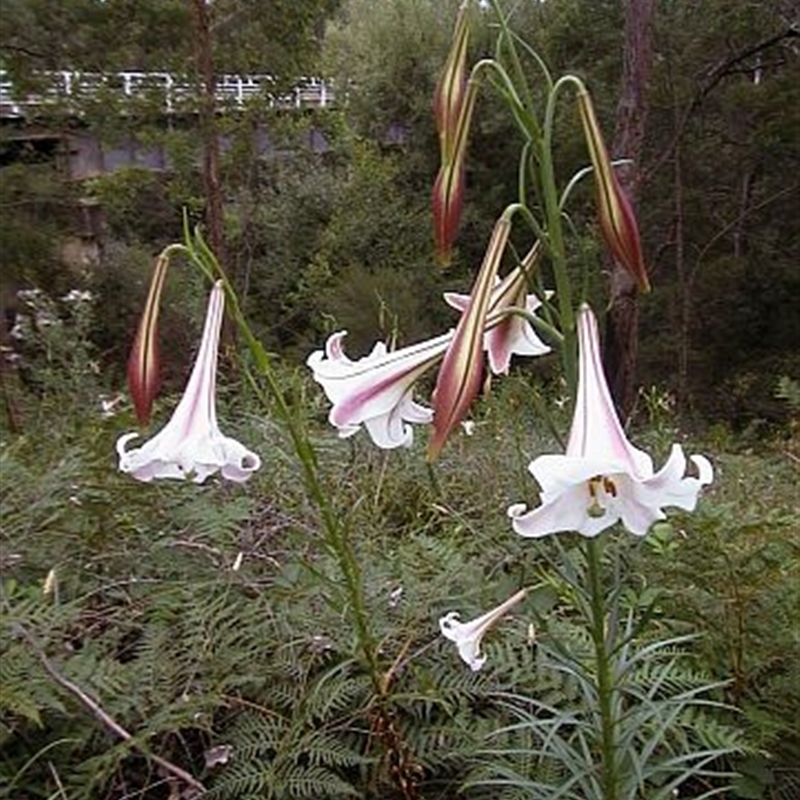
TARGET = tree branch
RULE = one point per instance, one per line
(713, 76)
(105, 719)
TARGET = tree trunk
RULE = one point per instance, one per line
(204, 58)
(684, 290)
(622, 329)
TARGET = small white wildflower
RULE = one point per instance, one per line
(220, 754)
(45, 318)
(30, 296)
(77, 297)
(50, 583)
(21, 329)
(109, 405)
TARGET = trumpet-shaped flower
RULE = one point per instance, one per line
(191, 444)
(617, 220)
(467, 636)
(377, 390)
(603, 478)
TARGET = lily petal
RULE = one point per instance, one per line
(377, 390)
(467, 636)
(191, 445)
(603, 478)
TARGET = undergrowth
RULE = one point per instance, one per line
(208, 623)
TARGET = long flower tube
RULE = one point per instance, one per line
(603, 478)
(467, 636)
(191, 445)
(376, 391)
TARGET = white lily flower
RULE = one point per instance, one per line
(191, 445)
(467, 636)
(377, 390)
(513, 334)
(603, 478)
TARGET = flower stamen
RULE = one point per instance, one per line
(595, 509)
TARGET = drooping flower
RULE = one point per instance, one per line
(143, 362)
(617, 220)
(191, 445)
(512, 334)
(377, 390)
(603, 478)
(467, 636)
(459, 378)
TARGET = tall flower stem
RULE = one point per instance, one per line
(335, 530)
(605, 686)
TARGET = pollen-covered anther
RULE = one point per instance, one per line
(609, 487)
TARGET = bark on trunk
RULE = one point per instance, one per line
(208, 127)
(622, 329)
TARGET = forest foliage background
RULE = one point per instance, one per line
(341, 237)
(326, 228)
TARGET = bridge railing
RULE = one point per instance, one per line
(178, 93)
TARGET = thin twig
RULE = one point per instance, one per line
(57, 779)
(102, 716)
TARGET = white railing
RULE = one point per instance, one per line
(179, 94)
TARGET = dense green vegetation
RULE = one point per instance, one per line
(324, 239)
(210, 621)
(159, 637)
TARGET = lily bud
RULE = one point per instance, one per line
(143, 362)
(454, 101)
(617, 220)
(451, 88)
(459, 378)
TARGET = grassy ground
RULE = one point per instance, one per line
(211, 625)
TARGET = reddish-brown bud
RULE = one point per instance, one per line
(448, 189)
(617, 220)
(451, 87)
(453, 103)
(460, 375)
(143, 362)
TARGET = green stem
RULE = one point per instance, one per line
(335, 530)
(605, 688)
(555, 242)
